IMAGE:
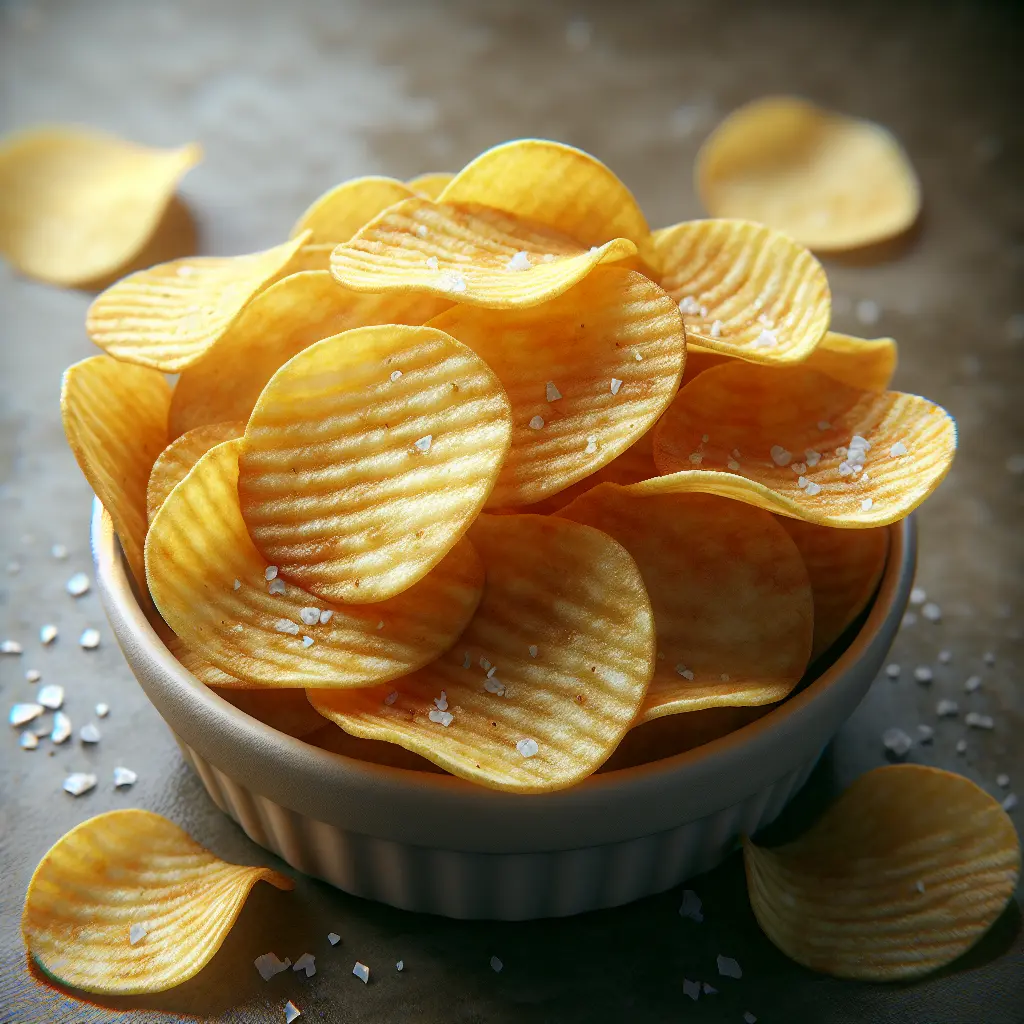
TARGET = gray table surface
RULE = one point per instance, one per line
(288, 99)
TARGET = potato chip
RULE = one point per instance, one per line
(469, 254)
(744, 290)
(587, 374)
(175, 461)
(547, 677)
(731, 598)
(831, 181)
(432, 184)
(221, 598)
(867, 364)
(903, 874)
(339, 213)
(553, 184)
(337, 741)
(168, 316)
(367, 457)
(799, 443)
(127, 902)
(115, 420)
(76, 205)
(279, 323)
(845, 567)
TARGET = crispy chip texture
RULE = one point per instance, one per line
(559, 363)
(431, 184)
(279, 323)
(808, 446)
(198, 548)
(845, 567)
(175, 461)
(367, 457)
(865, 363)
(575, 597)
(903, 874)
(77, 205)
(115, 420)
(467, 253)
(337, 741)
(831, 181)
(768, 296)
(168, 316)
(731, 598)
(126, 868)
(553, 184)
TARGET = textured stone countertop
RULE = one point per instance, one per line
(289, 98)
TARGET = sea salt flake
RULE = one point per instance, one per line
(1002, 781)
(33, 675)
(441, 703)
(691, 906)
(51, 697)
(639, 358)
(733, 465)
(396, 375)
(892, 671)
(361, 971)
(326, 615)
(897, 450)
(802, 482)
(976, 720)
(124, 777)
(684, 671)
(799, 468)
(520, 261)
(47, 634)
(236, 585)
(90, 639)
(696, 458)
(972, 684)
(709, 990)
(59, 551)
(865, 505)
(291, 1012)
(28, 740)
(24, 713)
(287, 626)
(380, 624)
(780, 456)
(307, 963)
(551, 392)
(78, 783)
(533, 650)
(961, 746)
(923, 674)
(945, 657)
(918, 595)
(616, 384)
(989, 658)
(811, 457)
(423, 444)
(270, 573)
(749, 1018)
(61, 731)
(400, 966)
(1010, 802)
(391, 698)
(78, 585)
(527, 747)
(136, 933)
(496, 965)
(591, 445)
(268, 965)
(932, 612)
(947, 709)
(689, 305)
(432, 262)
(89, 733)
(691, 988)
(495, 686)
(452, 282)
(309, 616)
(766, 339)
(10, 647)
(896, 741)
(537, 423)
(421, 230)
(444, 718)
(716, 329)
(307, 641)
(728, 967)
(909, 619)
(333, 938)
(925, 733)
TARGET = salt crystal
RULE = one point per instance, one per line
(124, 777)
(923, 674)
(976, 720)
(444, 718)
(780, 456)
(932, 612)
(287, 626)
(270, 573)
(520, 261)
(291, 1012)
(307, 641)
(865, 505)
(307, 963)
(733, 465)
(380, 624)
(452, 282)
(51, 697)
(551, 392)
(537, 423)
(961, 746)
(926, 733)
(310, 616)
(945, 657)
(467, 660)
(812, 488)
(61, 731)
(639, 358)
(696, 458)
(78, 783)
(33, 675)
(362, 972)
(616, 384)
(811, 457)
(236, 585)
(989, 658)
(396, 375)
(47, 634)
(896, 741)
(77, 585)
(897, 450)
(691, 988)
(892, 671)
(749, 1018)
(89, 733)
(10, 647)
(533, 650)
(947, 709)
(391, 698)
(268, 965)
(918, 595)
(441, 703)
(591, 445)
(799, 468)
(802, 482)
(496, 965)
(326, 616)
(527, 747)
(1002, 781)
(766, 339)
(691, 906)
(59, 551)
(28, 740)
(684, 671)
(716, 329)
(432, 262)
(689, 305)
(495, 686)
(136, 933)
(868, 311)
(423, 444)
(728, 967)
(90, 639)
(23, 713)
(333, 938)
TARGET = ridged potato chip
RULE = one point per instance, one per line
(903, 874)
(548, 676)
(174, 462)
(431, 184)
(168, 316)
(845, 567)
(469, 254)
(217, 593)
(115, 420)
(799, 443)
(731, 597)
(367, 457)
(339, 213)
(329, 737)
(280, 322)
(744, 290)
(553, 184)
(77, 205)
(831, 181)
(587, 374)
(127, 902)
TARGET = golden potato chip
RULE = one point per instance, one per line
(115, 420)
(432, 184)
(744, 290)
(337, 741)
(587, 374)
(469, 254)
(903, 874)
(546, 679)
(799, 443)
(868, 364)
(367, 457)
(845, 567)
(831, 181)
(279, 323)
(127, 902)
(553, 184)
(174, 462)
(221, 598)
(76, 205)
(732, 602)
(168, 316)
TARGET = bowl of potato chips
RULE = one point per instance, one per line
(492, 554)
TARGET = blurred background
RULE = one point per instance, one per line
(288, 99)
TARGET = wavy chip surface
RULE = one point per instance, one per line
(115, 420)
(845, 567)
(77, 205)
(198, 549)
(566, 626)
(903, 874)
(831, 181)
(431, 184)
(731, 598)
(553, 184)
(865, 363)
(468, 254)
(367, 457)
(587, 373)
(744, 289)
(174, 462)
(277, 324)
(168, 316)
(799, 443)
(128, 875)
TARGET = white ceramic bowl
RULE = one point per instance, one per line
(434, 843)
